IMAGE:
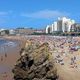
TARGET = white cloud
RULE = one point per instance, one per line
(4, 16)
(3, 13)
(46, 14)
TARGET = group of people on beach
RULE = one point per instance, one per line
(62, 48)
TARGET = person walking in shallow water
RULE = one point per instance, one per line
(1, 58)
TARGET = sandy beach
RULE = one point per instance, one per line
(9, 58)
(64, 51)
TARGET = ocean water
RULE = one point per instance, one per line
(7, 45)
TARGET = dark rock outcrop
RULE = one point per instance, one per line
(36, 63)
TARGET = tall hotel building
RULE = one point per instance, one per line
(62, 25)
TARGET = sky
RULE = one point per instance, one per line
(36, 13)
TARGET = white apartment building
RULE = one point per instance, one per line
(47, 29)
(66, 24)
(63, 25)
(55, 26)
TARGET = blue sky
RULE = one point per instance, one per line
(36, 13)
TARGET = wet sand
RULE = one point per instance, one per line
(9, 58)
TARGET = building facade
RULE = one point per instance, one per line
(61, 25)
(24, 31)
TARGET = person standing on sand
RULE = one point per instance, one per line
(6, 55)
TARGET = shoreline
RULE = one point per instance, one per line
(8, 61)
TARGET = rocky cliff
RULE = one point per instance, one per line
(36, 63)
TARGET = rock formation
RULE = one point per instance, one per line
(35, 63)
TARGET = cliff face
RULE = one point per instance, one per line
(35, 63)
